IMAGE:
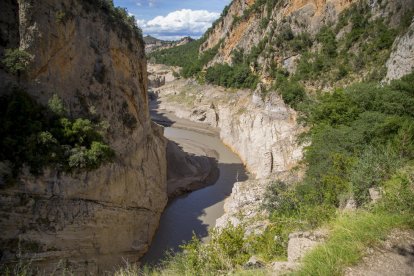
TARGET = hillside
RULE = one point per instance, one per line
(154, 44)
(320, 44)
(316, 97)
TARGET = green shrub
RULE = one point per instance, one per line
(225, 251)
(16, 60)
(238, 76)
(55, 104)
(38, 136)
(117, 18)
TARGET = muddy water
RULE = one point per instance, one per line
(196, 212)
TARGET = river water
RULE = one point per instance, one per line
(196, 212)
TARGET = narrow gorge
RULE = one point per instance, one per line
(280, 142)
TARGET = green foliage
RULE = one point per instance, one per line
(185, 56)
(351, 234)
(37, 136)
(224, 252)
(360, 138)
(238, 76)
(369, 127)
(116, 17)
(292, 93)
(16, 60)
(55, 104)
(365, 48)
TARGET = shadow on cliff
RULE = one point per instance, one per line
(156, 115)
(186, 215)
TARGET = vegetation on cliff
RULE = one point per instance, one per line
(187, 57)
(37, 136)
(16, 60)
(362, 137)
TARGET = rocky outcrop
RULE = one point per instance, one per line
(300, 243)
(159, 75)
(94, 220)
(244, 205)
(401, 61)
(265, 26)
(262, 133)
(303, 16)
(190, 167)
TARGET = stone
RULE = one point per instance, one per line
(280, 268)
(401, 61)
(375, 194)
(254, 262)
(290, 63)
(300, 243)
(350, 205)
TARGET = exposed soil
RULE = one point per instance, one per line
(395, 256)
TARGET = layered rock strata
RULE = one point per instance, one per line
(93, 220)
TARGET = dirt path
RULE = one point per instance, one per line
(393, 257)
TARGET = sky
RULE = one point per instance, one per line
(174, 19)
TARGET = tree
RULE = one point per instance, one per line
(16, 60)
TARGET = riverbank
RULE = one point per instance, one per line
(195, 212)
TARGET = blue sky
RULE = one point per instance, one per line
(173, 19)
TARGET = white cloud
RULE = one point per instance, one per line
(179, 23)
(149, 3)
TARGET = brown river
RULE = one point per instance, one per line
(195, 212)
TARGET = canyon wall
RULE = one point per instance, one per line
(263, 133)
(267, 27)
(89, 221)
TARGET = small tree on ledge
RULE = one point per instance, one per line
(16, 61)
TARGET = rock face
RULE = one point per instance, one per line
(262, 133)
(159, 75)
(300, 243)
(190, 167)
(401, 61)
(92, 220)
(247, 24)
(302, 16)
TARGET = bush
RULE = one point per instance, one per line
(115, 17)
(238, 76)
(224, 252)
(16, 60)
(292, 93)
(38, 136)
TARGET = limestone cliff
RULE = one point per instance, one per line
(266, 27)
(263, 133)
(91, 220)
(401, 61)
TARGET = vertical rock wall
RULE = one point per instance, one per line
(93, 220)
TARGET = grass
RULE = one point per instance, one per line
(350, 236)
(352, 233)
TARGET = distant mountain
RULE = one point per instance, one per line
(152, 44)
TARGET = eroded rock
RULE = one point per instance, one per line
(91, 220)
